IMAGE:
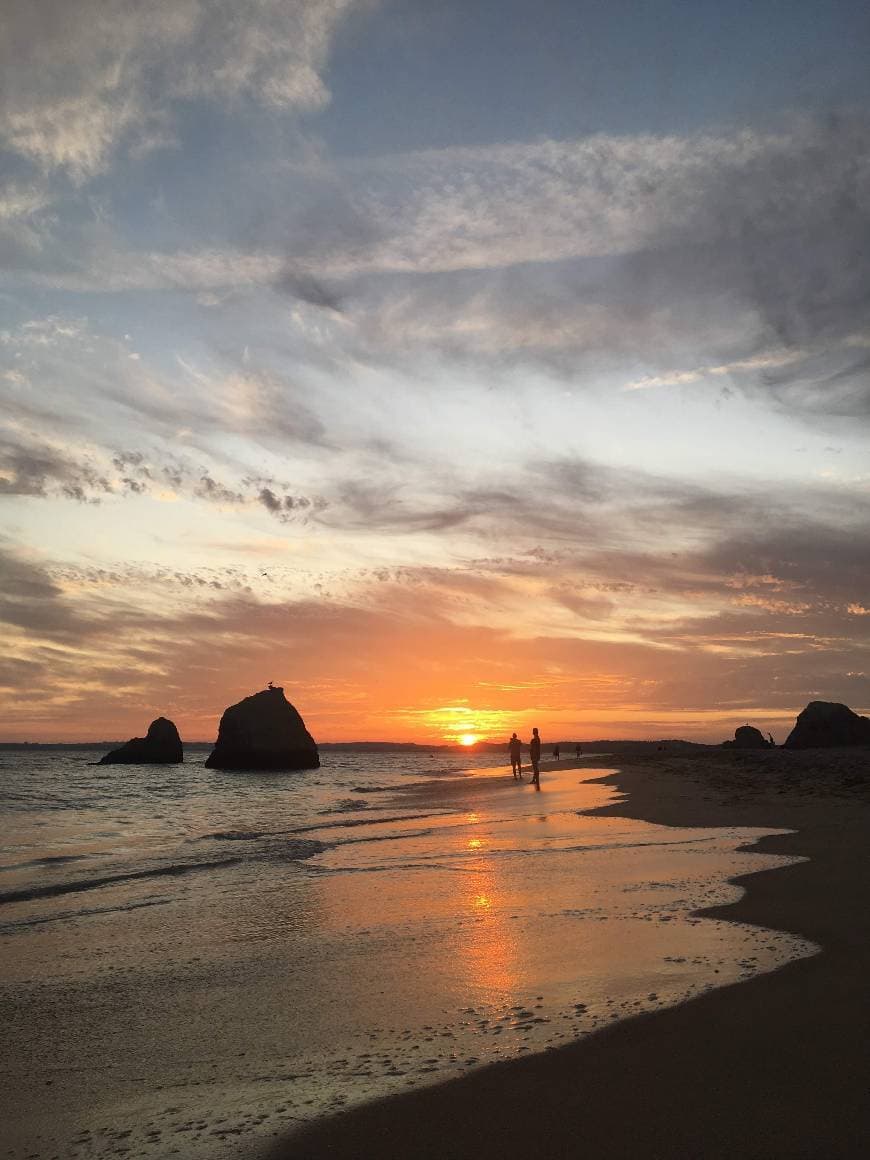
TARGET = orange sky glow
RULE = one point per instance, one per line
(454, 423)
(371, 673)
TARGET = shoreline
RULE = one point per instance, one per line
(453, 919)
(769, 1067)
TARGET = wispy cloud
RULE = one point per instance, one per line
(39, 470)
(515, 416)
(727, 259)
(760, 362)
(85, 76)
(442, 636)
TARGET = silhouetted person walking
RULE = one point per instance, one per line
(515, 747)
(535, 758)
(555, 752)
(578, 751)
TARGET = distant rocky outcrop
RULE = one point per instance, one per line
(826, 724)
(747, 737)
(161, 745)
(263, 732)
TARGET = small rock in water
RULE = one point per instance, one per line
(160, 746)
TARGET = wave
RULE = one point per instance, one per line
(284, 851)
(349, 823)
(467, 861)
(55, 889)
(48, 860)
(342, 824)
(237, 835)
(346, 805)
(14, 925)
(387, 837)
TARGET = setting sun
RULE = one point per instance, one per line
(360, 405)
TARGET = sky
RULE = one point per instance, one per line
(459, 367)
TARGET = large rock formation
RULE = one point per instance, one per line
(161, 745)
(263, 732)
(825, 724)
(747, 737)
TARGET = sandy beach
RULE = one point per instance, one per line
(770, 1067)
(199, 963)
(391, 395)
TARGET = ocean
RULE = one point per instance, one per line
(196, 960)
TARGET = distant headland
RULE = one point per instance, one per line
(266, 728)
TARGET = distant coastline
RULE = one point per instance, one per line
(605, 746)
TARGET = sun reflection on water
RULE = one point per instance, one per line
(487, 950)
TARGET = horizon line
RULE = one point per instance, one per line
(385, 741)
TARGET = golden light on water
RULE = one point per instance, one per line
(488, 950)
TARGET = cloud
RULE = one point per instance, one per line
(441, 636)
(21, 201)
(83, 76)
(625, 593)
(39, 470)
(31, 601)
(710, 262)
(82, 421)
(309, 289)
(141, 475)
(216, 492)
(287, 508)
(731, 260)
(767, 361)
(35, 469)
(400, 356)
(497, 206)
(59, 368)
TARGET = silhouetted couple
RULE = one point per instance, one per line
(515, 747)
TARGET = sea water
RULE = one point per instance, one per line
(194, 959)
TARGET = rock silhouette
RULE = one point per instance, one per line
(263, 731)
(747, 737)
(161, 745)
(825, 724)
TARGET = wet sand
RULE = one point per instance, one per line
(305, 963)
(771, 1067)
